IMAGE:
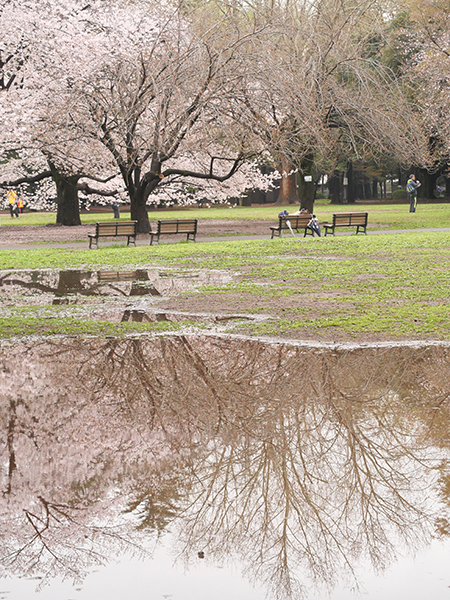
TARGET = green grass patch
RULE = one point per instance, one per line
(389, 285)
(414, 319)
(20, 325)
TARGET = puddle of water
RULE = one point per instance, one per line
(64, 286)
(138, 316)
(70, 283)
(299, 466)
(141, 315)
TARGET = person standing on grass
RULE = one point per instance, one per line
(411, 189)
(116, 210)
(11, 195)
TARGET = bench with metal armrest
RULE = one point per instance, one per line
(297, 222)
(356, 219)
(126, 229)
(174, 227)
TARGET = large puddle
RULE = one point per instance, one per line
(70, 284)
(265, 470)
(116, 296)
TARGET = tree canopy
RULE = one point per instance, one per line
(145, 97)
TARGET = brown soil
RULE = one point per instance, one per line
(14, 235)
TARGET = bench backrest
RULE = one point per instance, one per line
(178, 226)
(116, 228)
(116, 276)
(350, 218)
(297, 222)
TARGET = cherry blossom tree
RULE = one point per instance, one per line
(133, 88)
(159, 108)
(181, 97)
(34, 29)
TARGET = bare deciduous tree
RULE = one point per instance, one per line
(320, 92)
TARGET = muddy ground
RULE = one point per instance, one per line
(162, 296)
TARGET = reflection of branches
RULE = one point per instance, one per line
(57, 537)
(291, 458)
(301, 470)
(283, 501)
(10, 445)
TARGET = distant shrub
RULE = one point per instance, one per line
(399, 195)
(320, 196)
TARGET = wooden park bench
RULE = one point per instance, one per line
(126, 229)
(297, 222)
(113, 276)
(357, 219)
(175, 226)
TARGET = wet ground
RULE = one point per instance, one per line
(265, 469)
(143, 295)
(194, 467)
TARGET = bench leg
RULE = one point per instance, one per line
(90, 243)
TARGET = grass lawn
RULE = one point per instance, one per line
(387, 286)
(385, 216)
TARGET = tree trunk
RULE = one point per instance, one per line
(246, 200)
(375, 189)
(401, 177)
(307, 189)
(138, 209)
(334, 187)
(428, 181)
(66, 197)
(288, 185)
(351, 197)
(447, 187)
(139, 189)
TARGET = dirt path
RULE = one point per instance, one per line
(18, 235)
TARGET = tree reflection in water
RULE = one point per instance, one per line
(297, 462)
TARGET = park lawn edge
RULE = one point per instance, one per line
(415, 259)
